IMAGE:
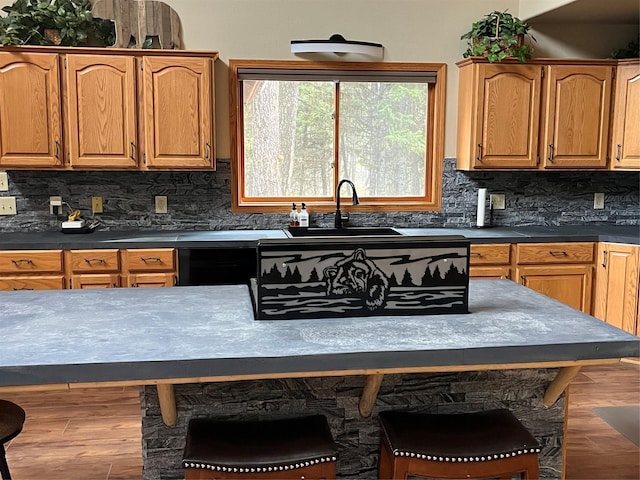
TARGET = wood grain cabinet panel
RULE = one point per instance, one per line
(178, 113)
(578, 102)
(155, 267)
(498, 114)
(101, 107)
(490, 261)
(625, 135)
(617, 279)
(545, 114)
(30, 110)
(563, 271)
(31, 270)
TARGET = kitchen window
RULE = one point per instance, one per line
(298, 128)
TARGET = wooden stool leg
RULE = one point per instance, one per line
(4, 468)
(385, 460)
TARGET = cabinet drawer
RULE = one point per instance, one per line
(30, 261)
(94, 261)
(490, 254)
(150, 260)
(532, 253)
(27, 282)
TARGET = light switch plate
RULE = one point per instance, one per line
(96, 204)
(161, 204)
(8, 206)
(598, 201)
(4, 182)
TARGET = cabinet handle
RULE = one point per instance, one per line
(560, 253)
(550, 157)
(479, 157)
(476, 254)
(150, 259)
(207, 150)
(604, 259)
(96, 260)
(619, 152)
(57, 149)
(25, 288)
(134, 285)
(132, 153)
(522, 279)
(22, 260)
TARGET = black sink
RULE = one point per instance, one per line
(295, 232)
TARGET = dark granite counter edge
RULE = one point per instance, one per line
(312, 364)
(248, 238)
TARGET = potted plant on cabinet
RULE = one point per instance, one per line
(54, 22)
(497, 36)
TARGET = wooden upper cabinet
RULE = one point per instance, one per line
(178, 112)
(625, 135)
(101, 108)
(507, 106)
(578, 100)
(30, 111)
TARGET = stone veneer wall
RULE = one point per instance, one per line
(521, 391)
(201, 200)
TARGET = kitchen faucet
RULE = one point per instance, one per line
(339, 219)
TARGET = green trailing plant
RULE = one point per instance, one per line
(54, 22)
(497, 36)
(632, 51)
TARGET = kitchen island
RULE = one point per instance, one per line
(516, 348)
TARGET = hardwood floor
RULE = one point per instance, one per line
(94, 434)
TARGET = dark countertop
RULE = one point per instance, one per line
(247, 238)
(136, 334)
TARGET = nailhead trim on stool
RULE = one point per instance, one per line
(258, 446)
(492, 442)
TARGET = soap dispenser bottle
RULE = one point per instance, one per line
(293, 216)
(304, 216)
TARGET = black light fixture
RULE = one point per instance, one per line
(336, 44)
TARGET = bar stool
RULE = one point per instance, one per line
(11, 421)
(267, 449)
(489, 444)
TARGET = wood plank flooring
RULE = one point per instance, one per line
(94, 434)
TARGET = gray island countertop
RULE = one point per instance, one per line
(146, 335)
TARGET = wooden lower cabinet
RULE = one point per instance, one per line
(489, 262)
(617, 279)
(563, 271)
(95, 280)
(570, 284)
(31, 270)
(154, 267)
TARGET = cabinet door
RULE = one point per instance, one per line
(32, 282)
(490, 273)
(98, 280)
(508, 114)
(147, 280)
(30, 125)
(178, 112)
(570, 284)
(577, 116)
(101, 110)
(625, 141)
(616, 298)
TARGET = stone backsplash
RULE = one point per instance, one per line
(202, 200)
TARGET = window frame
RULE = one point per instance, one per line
(432, 201)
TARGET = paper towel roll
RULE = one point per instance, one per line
(482, 198)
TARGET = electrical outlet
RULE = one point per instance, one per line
(598, 201)
(4, 182)
(497, 201)
(161, 204)
(8, 206)
(96, 204)
(55, 205)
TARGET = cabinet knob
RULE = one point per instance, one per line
(604, 259)
(550, 157)
(479, 157)
(132, 152)
(619, 152)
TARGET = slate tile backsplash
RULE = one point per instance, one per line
(202, 200)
